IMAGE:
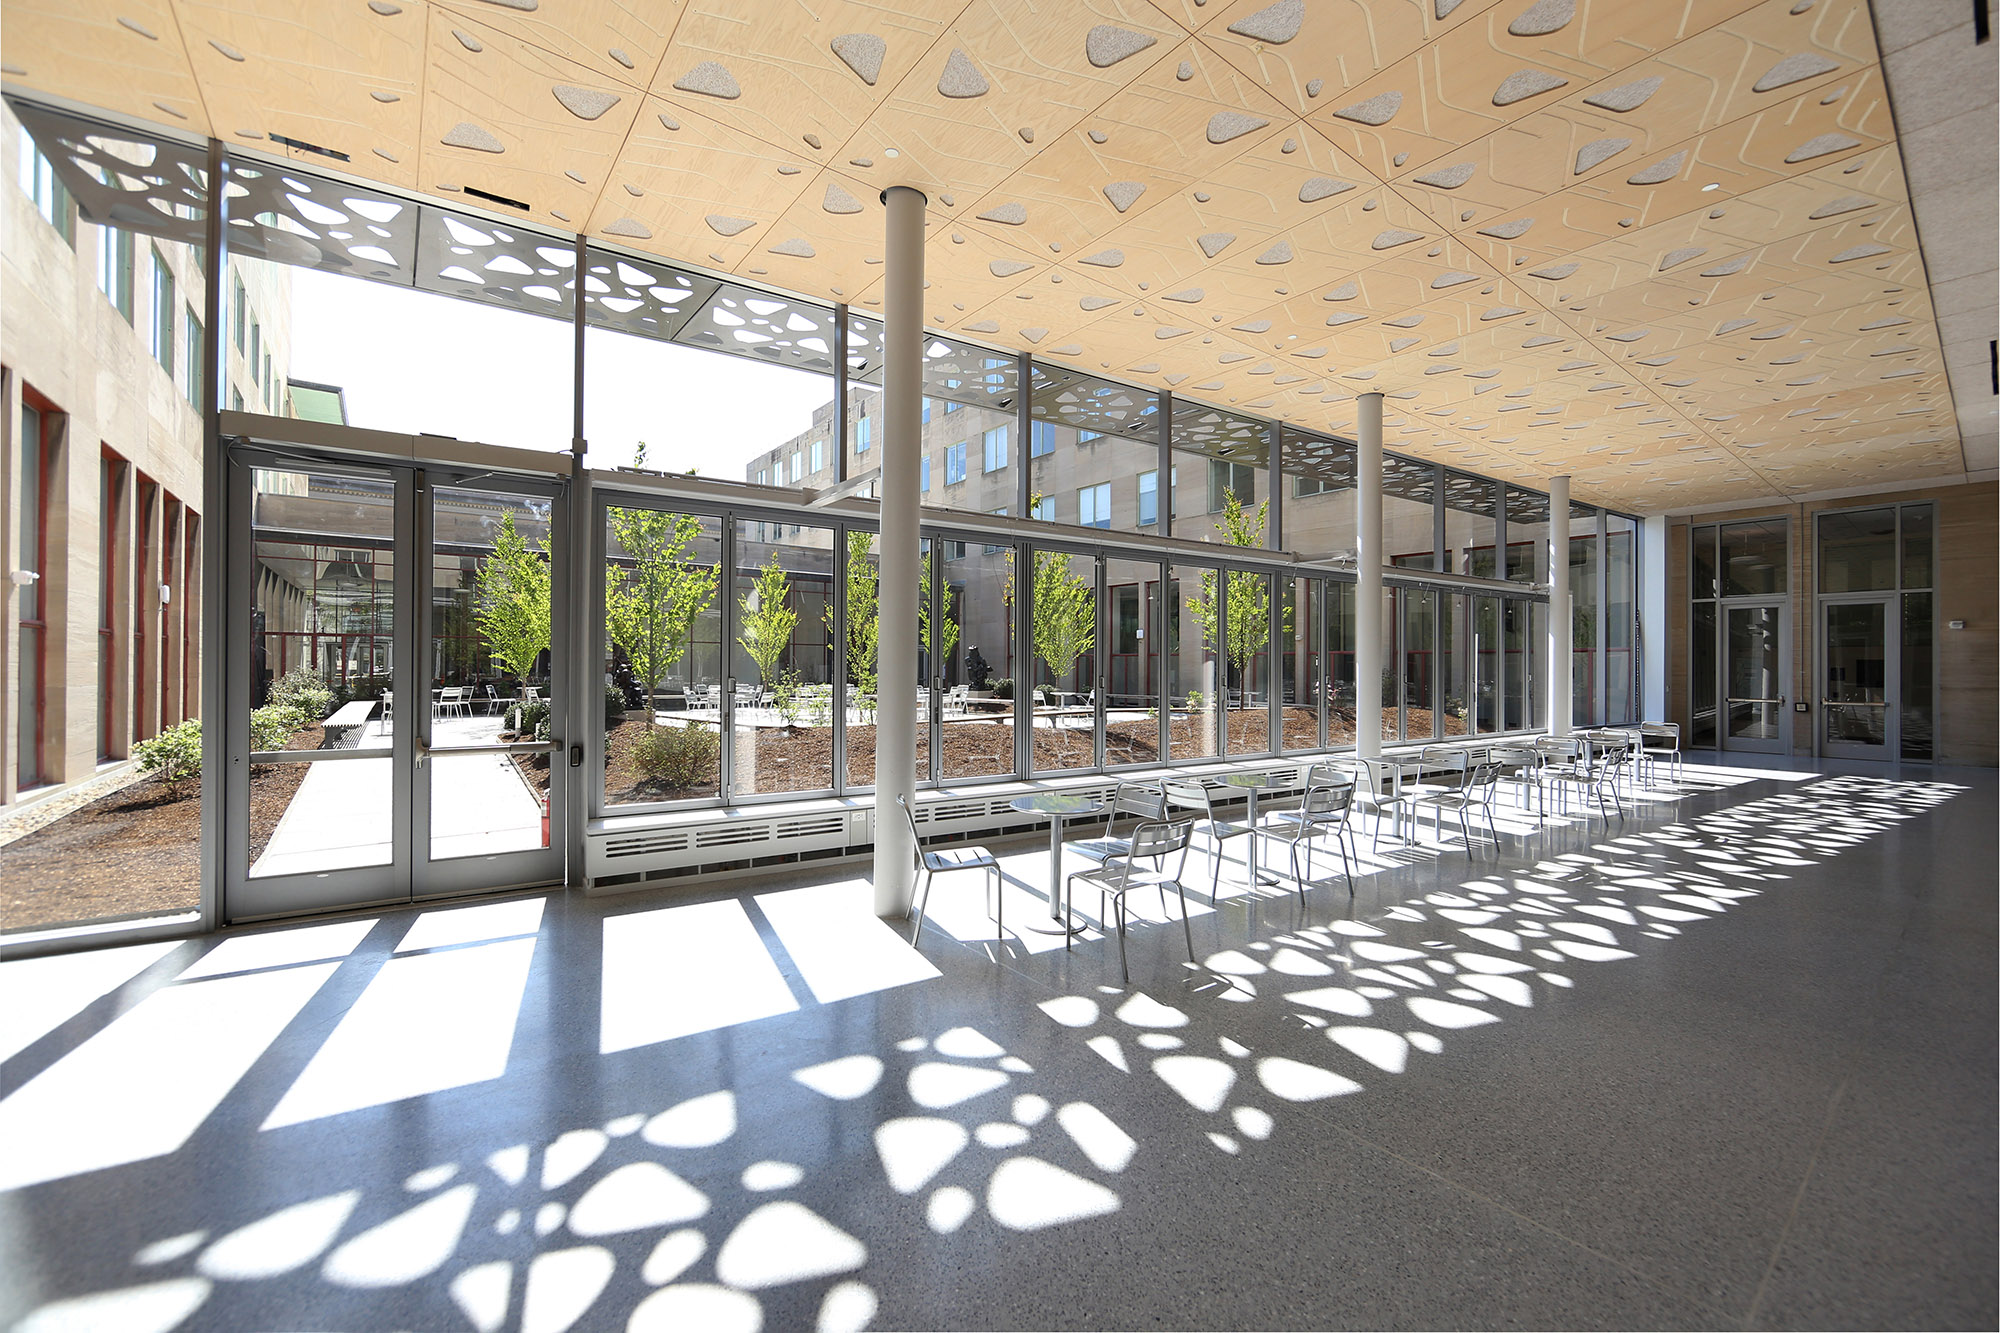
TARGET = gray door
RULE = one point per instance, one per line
(362, 634)
(1753, 677)
(1859, 678)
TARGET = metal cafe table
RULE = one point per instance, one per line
(1058, 807)
(1253, 783)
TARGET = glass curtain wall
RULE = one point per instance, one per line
(1063, 630)
(976, 728)
(1093, 452)
(1409, 513)
(1222, 476)
(1302, 662)
(1527, 536)
(1583, 557)
(1471, 507)
(781, 602)
(1247, 684)
(1319, 504)
(1130, 627)
(663, 635)
(1194, 677)
(1340, 719)
(1620, 593)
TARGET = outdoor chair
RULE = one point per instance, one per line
(1189, 795)
(388, 706)
(945, 860)
(1444, 773)
(1142, 800)
(1621, 744)
(1587, 769)
(1377, 791)
(1154, 841)
(1328, 800)
(1475, 791)
(1520, 766)
(1659, 743)
(1561, 756)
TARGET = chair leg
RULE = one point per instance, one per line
(922, 903)
(1000, 903)
(1124, 968)
(1187, 931)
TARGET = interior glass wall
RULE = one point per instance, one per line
(1222, 476)
(1747, 560)
(1409, 512)
(1527, 536)
(781, 603)
(1621, 587)
(105, 520)
(1471, 507)
(1340, 719)
(1319, 504)
(976, 728)
(1063, 624)
(1418, 653)
(1093, 452)
(1194, 677)
(1302, 662)
(1583, 558)
(1130, 632)
(663, 634)
(1248, 608)
(971, 450)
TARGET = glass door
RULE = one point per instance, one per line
(1754, 677)
(396, 702)
(1859, 684)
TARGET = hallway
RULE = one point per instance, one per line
(1727, 1063)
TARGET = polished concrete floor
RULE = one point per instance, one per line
(1727, 1062)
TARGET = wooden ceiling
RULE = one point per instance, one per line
(1662, 245)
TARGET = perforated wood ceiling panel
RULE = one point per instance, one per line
(1662, 245)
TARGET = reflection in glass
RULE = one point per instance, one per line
(1409, 507)
(1193, 675)
(1527, 536)
(1701, 676)
(1131, 661)
(1619, 592)
(1302, 665)
(1470, 504)
(1340, 704)
(1247, 683)
(1917, 718)
(1063, 633)
(663, 642)
(976, 728)
(1857, 673)
(782, 659)
(1583, 602)
(1754, 682)
(1418, 652)
(1754, 557)
(1917, 530)
(1857, 550)
(1454, 648)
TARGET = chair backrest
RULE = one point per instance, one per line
(1183, 794)
(1329, 775)
(1144, 799)
(1559, 747)
(1660, 737)
(1446, 765)
(1325, 801)
(1483, 775)
(916, 838)
(1158, 837)
(1377, 776)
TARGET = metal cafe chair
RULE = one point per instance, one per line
(1140, 800)
(1378, 791)
(1521, 767)
(945, 860)
(1443, 770)
(1187, 794)
(1659, 743)
(1155, 841)
(1328, 800)
(1474, 791)
(1588, 769)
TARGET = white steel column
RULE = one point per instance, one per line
(1653, 618)
(1562, 637)
(900, 551)
(1368, 586)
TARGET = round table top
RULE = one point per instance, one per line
(1252, 780)
(1056, 803)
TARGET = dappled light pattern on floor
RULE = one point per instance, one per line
(767, 1111)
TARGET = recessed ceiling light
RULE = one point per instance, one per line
(1712, 185)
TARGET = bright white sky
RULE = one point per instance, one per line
(415, 362)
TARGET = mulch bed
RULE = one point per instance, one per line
(136, 852)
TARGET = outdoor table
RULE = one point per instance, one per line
(1253, 783)
(1057, 807)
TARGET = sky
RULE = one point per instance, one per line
(417, 362)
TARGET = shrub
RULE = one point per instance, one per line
(274, 724)
(614, 706)
(1003, 688)
(175, 755)
(529, 718)
(300, 688)
(789, 696)
(678, 757)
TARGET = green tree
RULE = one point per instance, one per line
(1249, 610)
(947, 632)
(511, 600)
(650, 608)
(767, 621)
(1065, 608)
(862, 603)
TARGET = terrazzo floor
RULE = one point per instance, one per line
(1726, 1062)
